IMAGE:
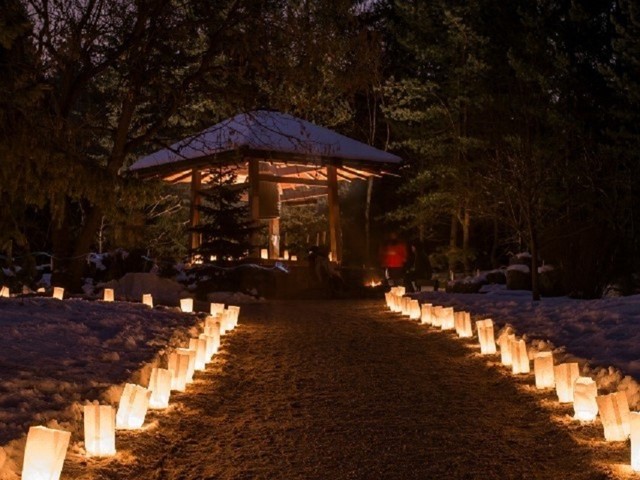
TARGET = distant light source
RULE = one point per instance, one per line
(264, 253)
(286, 254)
(147, 299)
(486, 336)
(4, 292)
(160, 387)
(108, 295)
(585, 406)
(614, 413)
(565, 375)
(132, 407)
(294, 258)
(58, 293)
(44, 453)
(519, 357)
(216, 308)
(186, 305)
(543, 368)
(99, 430)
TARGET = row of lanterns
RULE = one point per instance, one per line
(46, 448)
(618, 421)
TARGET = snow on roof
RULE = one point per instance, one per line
(268, 131)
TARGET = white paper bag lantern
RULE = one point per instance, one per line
(565, 375)
(414, 310)
(216, 309)
(425, 313)
(519, 357)
(463, 324)
(199, 345)
(179, 366)
(44, 453)
(614, 413)
(285, 255)
(147, 299)
(58, 293)
(100, 430)
(4, 292)
(405, 306)
(486, 337)
(634, 421)
(235, 315)
(436, 316)
(396, 304)
(213, 330)
(504, 341)
(264, 253)
(192, 362)
(209, 346)
(294, 258)
(543, 368)
(132, 407)
(447, 319)
(160, 387)
(108, 295)
(186, 305)
(585, 406)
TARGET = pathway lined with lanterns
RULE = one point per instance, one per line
(346, 390)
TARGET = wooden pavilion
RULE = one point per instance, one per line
(279, 157)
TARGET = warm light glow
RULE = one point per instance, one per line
(234, 313)
(200, 347)
(264, 254)
(99, 430)
(447, 318)
(634, 420)
(209, 346)
(147, 299)
(436, 316)
(216, 309)
(108, 295)
(286, 254)
(191, 367)
(294, 258)
(486, 337)
(186, 305)
(44, 453)
(519, 357)
(504, 342)
(213, 330)
(462, 322)
(178, 363)
(132, 407)
(565, 375)
(585, 392)
(543, 368)
(58, 293)
(160, 387)
(4, 292)
(614, 413)
(425, 313)
(414, 310)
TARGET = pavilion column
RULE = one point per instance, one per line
(195, 238)
(335, 234)
(274, 237)
(254, 203)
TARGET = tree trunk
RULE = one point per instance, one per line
(535, 283)
(466, 227)
(453, 240)
(494, 246)
(367, 222)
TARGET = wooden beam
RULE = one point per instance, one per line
(265, 177)
(335, 233)
(195, 238)
(274, 238)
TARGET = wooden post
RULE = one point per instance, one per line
(195, 238)
(254, 202)
(335, 234)
(274, 237)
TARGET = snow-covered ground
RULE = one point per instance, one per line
(602, 335)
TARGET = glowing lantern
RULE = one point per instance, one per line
(264, 253)
(543, 368)
(565, 375)
(634, 421)
(614, 413)
(436, 315)
(486, 337)
(108, 295)
(147, 299)
(585, 406)
(519, 357)
(44, 453)
(179, 366)
(58, 293)
(133, 407)
(216, 309)
(186, 305)
(294, 258)
(463, 324)
(414, 310)
(212, 329)
(425, 313)
(387, 299)
(99, 430)
(4, 292)
(286, 254)
(400, 291)
(235, 315)
(447, 319)
(191, 368)
(200, 347)
(210, 345)
(396, 306)
(504, 341)
(160, 386)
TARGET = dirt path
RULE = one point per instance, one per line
(345, 390)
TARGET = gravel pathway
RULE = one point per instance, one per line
(346, 390)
